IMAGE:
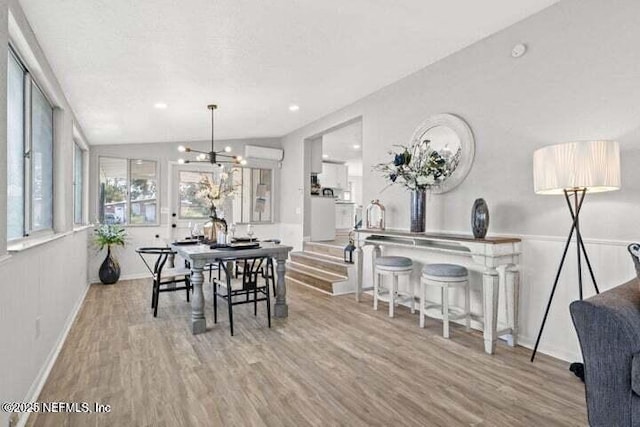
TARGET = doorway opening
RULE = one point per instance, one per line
(333, 191)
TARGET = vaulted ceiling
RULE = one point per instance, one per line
(116, 59)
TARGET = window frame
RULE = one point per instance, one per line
(128, 161)
(83, 210)
(27, 148)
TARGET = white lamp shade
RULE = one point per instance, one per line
(590, 165)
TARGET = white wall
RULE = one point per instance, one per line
(579, 80)
(42, 286)
(164, 153)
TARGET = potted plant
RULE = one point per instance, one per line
(419, 168)
(214, 194)
(107, 235)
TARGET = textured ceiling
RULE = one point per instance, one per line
(116, 58)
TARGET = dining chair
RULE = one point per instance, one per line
(249, 287)
(163, 277)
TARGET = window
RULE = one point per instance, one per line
(29, 154)
(252, 202)
(78, 184)
(128, 191)
(190, 205)
(255, 201)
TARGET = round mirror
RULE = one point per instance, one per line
(452, 139)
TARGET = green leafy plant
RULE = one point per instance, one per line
(107, 235)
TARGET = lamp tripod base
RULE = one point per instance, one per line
(577, 368)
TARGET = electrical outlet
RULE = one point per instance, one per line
(13, 420)
(37, 327)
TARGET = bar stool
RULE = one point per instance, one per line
(394, 266)
(445, 276)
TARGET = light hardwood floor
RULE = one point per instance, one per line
(332, 362)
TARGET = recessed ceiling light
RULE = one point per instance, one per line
(294, 107)
(356, 146)
(160, 105)
(325, 156)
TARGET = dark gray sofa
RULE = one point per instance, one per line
(608, 327)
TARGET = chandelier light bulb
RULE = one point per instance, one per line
(243, 162)
(181, 161)
(182, 148)
(227, 149)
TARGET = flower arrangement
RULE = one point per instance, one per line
(215, 193)
(107, 235)
(419, 166)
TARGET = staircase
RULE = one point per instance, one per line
(320, 266)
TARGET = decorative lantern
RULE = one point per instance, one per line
(348, 250)
(375, 216)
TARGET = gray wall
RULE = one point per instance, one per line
(579, 80)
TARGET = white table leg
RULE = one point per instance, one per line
(490, 284)
(423, 298)
(198, 321)
(359, 263)
(512, 288)
(281, 308)
(392, 293)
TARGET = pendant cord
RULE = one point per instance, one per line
(212, 130)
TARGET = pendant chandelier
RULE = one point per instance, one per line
(213, 157)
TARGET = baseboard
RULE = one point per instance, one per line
(547, 350)
(43, 375)
(134, 276)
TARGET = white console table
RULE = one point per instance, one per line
(497, 258)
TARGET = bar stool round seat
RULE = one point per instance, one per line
(445, 270)
(445, 277)
(394, 261)
(394, 266)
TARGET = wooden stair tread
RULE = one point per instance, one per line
(309, 280)
(320, 287)
(323, 257)
(332, 248)
(315, 272)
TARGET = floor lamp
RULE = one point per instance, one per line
(574, 169)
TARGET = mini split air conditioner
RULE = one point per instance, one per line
(263, 153)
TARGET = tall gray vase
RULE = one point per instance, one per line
(418, 210)
(480, 219)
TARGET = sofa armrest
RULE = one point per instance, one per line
(608, 327)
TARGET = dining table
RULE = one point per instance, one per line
(200, 254)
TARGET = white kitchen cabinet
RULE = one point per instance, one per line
(316, 155)
(334, 176)
(345, 215)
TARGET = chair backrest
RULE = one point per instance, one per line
(252, 270)
(162, 254)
